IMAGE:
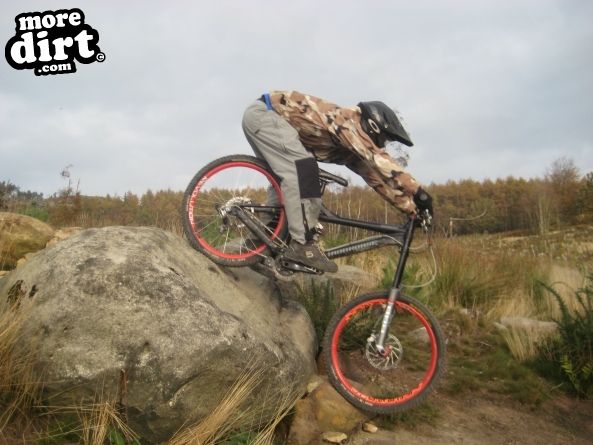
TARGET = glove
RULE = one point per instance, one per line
(423, 201)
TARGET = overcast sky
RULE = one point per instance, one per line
(487, 89)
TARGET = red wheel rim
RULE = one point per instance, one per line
(194, 196)
(365, 397)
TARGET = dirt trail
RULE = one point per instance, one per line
(494, 422)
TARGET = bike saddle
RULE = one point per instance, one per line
(330, 177)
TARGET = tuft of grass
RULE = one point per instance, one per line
(19, 386)
(98, 422)
(491, 283)
(229, 415)
(6, 250)
(524, 344)
(101, 423)
(233, 422)
(465, 277)
(266, 435)
(566, 282)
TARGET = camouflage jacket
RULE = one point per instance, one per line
(333, 134)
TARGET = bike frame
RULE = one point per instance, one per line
(391, 235)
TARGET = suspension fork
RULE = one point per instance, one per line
(395, 289)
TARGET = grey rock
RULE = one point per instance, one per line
(419, 335)
(140, 303)
(334, 437)
(370, 427)
(525, 323)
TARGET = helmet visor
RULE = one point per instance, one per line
(399, 152)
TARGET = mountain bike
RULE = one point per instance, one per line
(384, 350)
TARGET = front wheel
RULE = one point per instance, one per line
(212, 199)
(403, 374)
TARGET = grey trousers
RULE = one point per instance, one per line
(273, 139)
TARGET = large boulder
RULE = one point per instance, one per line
(19, 235)
(136, 313)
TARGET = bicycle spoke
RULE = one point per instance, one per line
(225, 188)
(226, 240)
(387, 377)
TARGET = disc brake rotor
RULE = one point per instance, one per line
(390, 359)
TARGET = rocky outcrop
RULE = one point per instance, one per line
(136, 313)
(20, 235)
(323, 411)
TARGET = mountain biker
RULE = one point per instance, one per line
(291, 131)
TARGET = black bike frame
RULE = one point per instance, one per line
(401, 235)
(391, 235)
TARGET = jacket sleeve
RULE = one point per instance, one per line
(397, 189)
(377, 168)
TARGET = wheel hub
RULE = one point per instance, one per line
(389, 357)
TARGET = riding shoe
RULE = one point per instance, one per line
(310, 255)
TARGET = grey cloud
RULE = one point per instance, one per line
(487, 89)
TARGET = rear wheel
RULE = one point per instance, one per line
(403, 374)
(212, 198)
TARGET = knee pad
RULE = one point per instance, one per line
(308, 177)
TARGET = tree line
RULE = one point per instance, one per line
(561, 197)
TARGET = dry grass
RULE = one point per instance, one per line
(229, 414)
(534, 302)
(524, 343)
(505, 279)
(266, 435)
(98, 423)
(566, 281)
(5, 248)
(101, 419)
(232, 416)
(19, 386)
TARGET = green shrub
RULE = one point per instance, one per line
(569, 356)
(321, 303)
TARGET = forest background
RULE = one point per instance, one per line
(562, 196)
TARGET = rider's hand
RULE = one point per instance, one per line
(423, 201)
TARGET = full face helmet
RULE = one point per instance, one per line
(382, 124)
